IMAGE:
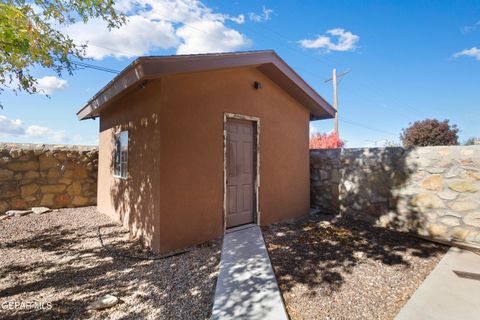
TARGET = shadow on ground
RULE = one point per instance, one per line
(61, 262)
(328, 266)
(310, 250)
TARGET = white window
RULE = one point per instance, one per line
(120, 155)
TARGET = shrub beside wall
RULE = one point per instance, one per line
(54, 176)
(433, 191)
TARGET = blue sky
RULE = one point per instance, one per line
(408, 60)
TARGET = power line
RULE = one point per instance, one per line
(86, 43)
(94, 67)
(293, 49)
(332, 63)
(82, 65)
(286, 45)
(343, 119)
(100, 68)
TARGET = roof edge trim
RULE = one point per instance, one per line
(151, 67)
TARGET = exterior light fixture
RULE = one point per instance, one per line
(257, 85)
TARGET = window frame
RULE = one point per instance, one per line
(118, 151)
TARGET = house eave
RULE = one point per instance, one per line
(268, 62)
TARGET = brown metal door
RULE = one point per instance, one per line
(241, 155)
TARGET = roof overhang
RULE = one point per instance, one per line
(148, 68)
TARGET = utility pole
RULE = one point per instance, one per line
(335, 97)
(335, 101)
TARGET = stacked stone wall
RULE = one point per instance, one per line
(433, 191)
(54, 176)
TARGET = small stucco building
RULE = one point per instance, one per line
(193, 145)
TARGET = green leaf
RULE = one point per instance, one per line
(28, 39)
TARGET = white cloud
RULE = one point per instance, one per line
(45, 85)
(215, 37)
(472, 52)
(471, 28)
(33, 133)
(50, 84)
(240, 19)
(333, 40)
(264, 16)
(138, 36)
(186, 25)
(10, 127)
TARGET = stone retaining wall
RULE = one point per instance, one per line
(433, 191)
(54, 176)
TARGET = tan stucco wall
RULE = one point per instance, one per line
(191, 122)
(134, 201)
(176, 155)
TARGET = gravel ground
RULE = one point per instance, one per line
(56, 258)
(328, 268)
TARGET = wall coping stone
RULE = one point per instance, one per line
(46, 147)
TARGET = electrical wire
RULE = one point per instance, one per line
(286, 45)
(94, 67)
(331, 63)
(343, 119)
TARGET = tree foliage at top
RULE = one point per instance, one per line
(30, 37)
(430, 132)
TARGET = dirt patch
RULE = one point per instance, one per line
(56, 258)
(330, 268)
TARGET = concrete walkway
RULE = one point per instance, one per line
(451, 291)
(246, 285)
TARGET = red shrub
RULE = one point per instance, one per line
(326, 141)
